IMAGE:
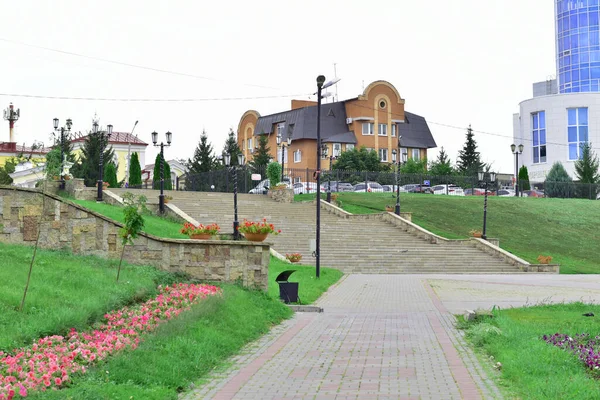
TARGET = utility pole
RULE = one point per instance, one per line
(129, 154)
(11, 116)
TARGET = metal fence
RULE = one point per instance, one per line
(253, 181)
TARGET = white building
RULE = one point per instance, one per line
(553, 128)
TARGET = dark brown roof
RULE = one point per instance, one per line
(118, 138)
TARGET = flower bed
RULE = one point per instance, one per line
(50, 361)
(582, 345)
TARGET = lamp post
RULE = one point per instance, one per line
(320, 86)
(482, 178)
(161, 196)
(331, 158)
(103, 138)
(69, 123)
(233, 168)
(283, 147)
(516, 152)
(400, 159)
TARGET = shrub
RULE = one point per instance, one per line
(110, 175)
(135, 171)
(524, 178)
(558, 182)
(274, 173)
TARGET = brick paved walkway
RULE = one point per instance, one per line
(380, 337)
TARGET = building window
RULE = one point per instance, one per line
(382, 130)
(394, 129)
(538, 131)
(297, 179)
(577, 131)
(337, 149)
(383, 155)
(367, 128)
(297, 156)
(349, 146)
(280, 129)
(249, 144)
(285, 156)
(382, 104)
(404, 150)
(416, 154)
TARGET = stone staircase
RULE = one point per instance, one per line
(368, 245)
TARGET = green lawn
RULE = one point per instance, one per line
(532, 368)
(565, 229)
(65, 292)
(182, 351)
(153, 225)
(310, 288)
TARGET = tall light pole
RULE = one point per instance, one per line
(103, 138)
(283, 147)
(62, 146)
(320, 86)
(234, 169)
(400, 159)
(516, 152)
(161, 196)
(483, 178)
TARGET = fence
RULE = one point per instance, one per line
(223, 181)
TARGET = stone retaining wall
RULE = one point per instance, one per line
(65, 225)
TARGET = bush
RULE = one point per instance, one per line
(110, 175)
(558, 182)
(274, 173)
(524, 178)
(135, 171)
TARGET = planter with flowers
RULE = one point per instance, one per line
(202, 232)
(475, 233)
(294, 257)
(544, 259)
(257, 231)
(389, 208)
(105, 185)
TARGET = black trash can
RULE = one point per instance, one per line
(288, 291)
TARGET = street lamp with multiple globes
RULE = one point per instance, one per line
(161, 197)
(486, 177)
(283, 147)
(320, 86)
(516, 152)
(103, 139)
(234, 169)
(68, 124)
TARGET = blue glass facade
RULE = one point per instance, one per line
(578, 45)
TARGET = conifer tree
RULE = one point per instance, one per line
(231, 147)
(90, 159)
(524, 178)
(135, 171)
(203, 160)
(168, 185)
(110, 175)
(262, 156)
(558, 183)
(586, 172)
(469, 159)
(442, 165)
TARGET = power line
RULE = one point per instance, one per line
(150, 100)
(70, 53)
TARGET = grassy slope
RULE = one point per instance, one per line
(309, 289)
(562, 228)
(65, 291)
(181, 351)
(153, 225)
(531, 368)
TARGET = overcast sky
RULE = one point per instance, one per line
(455, 62)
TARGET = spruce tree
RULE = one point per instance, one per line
(442, 165)
(168, 181)
(558, 183)
(135, 171)
(231, 147)
(524, 178)
(586, 172)
(203, 160)
(262, 156)
(90, 159)
(469, 159)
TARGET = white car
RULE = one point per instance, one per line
(452, 190)
(307, 187)
(372, 187)
(506, 193)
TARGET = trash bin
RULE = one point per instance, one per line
(288, 291)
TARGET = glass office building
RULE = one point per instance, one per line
(578, 45)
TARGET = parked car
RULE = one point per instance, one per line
(506, 192)
(414, 188)
(263, 186)
(452, 190)
(533, 193)
(477, 192)
(372, 187)
(307, 187)
(345, 187)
